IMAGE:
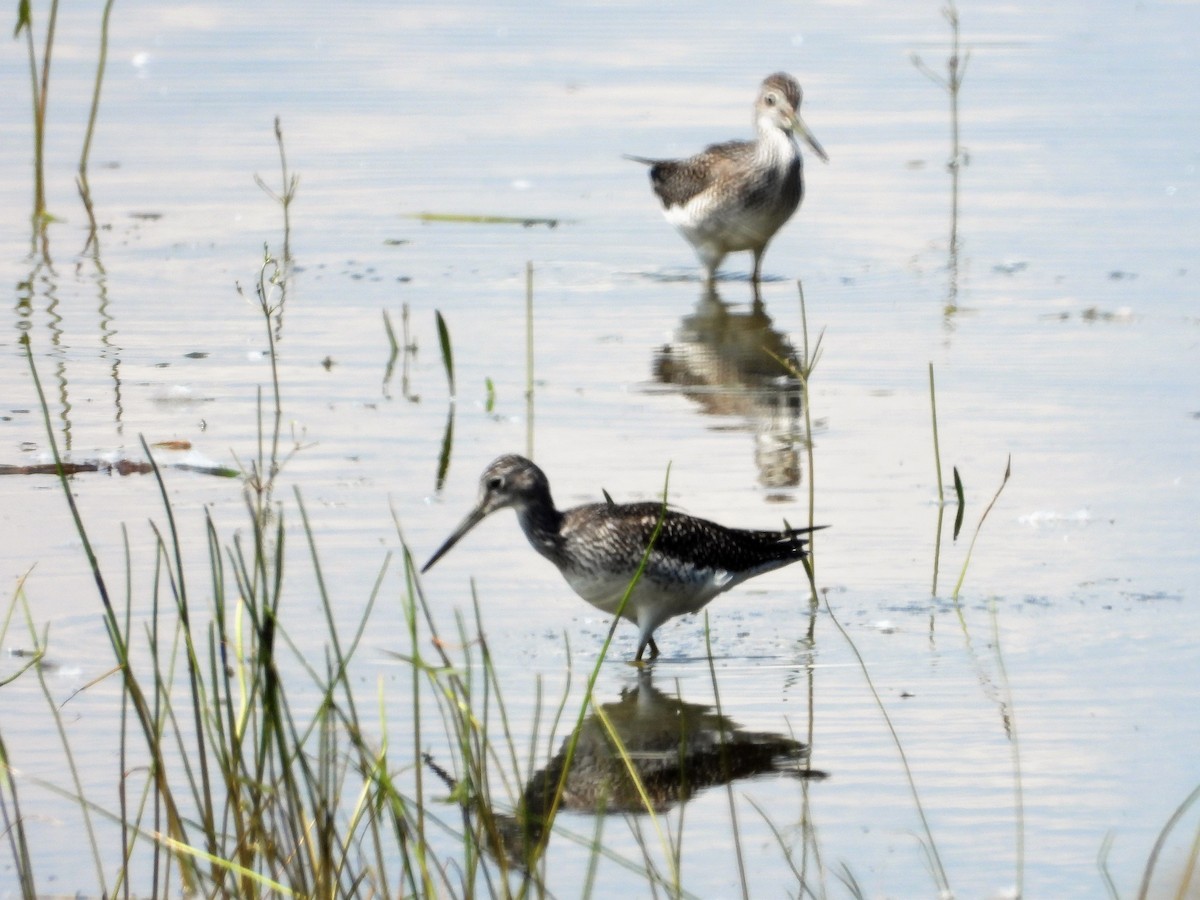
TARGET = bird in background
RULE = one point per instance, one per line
(735, 195)
(598, 548)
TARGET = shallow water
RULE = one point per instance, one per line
(1073, 352)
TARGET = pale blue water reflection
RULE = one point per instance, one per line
(1074, 352)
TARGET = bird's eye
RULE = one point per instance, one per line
(770, 99)
(495, 483)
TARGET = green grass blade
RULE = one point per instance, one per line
(447, 353)
(962, 503)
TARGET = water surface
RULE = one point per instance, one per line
(1073, 352)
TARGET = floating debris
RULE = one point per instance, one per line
(1010, 268)
(116, 467)
(524, 221)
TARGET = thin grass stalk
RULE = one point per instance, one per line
(492, 689)
(1189, 869)
(1018, 788)
(81, 180)
(40, 86)
(335, 678)
(937, 466)
(174, 823)
(595, 673)
(55, 712)
(802, 373)
(789, 857)
(951, 83)
(485, 748)
(410, 616)
(810, 363)
(971, 547)
(462, 732)
(285, 196)
(1102, 866)
(293, 778)
(122, 883)
(846, 877)
(669, 854)
(341, 657)
(152, 636)
(935, 859)
(736, 831)
(324, 798)
(195, 680)
(348, 719)
(1161, 841)
(457, 718)
(589, 877)
(19, 599)
(385, 799)
(13, 820)
(229, 744)
(183, 743)
(456, 693)
(295, 784)
(552, 735)
(472, 736)
(14, 825)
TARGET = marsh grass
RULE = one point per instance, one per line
(927, 842)
(443, 467)
(958, 488)
(289, 185)
(81, 178)
(962, 575)
(39, 82)
(246, 766)
(468, 219)
(951, 83)
(405, 350)
(802, 370)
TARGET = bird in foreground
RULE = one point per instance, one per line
(599, 546)
(736, 195)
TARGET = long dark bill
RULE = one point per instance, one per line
(468, 523)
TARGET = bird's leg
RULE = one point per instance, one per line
(648, 642)
(757, 276)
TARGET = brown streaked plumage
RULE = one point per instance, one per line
(735, 195)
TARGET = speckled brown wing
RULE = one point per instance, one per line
(677, 181)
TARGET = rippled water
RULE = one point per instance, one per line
(1073, 351)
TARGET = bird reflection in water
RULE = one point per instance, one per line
(675, 748)
(736, 363)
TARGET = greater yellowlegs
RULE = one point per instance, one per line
(736, 195)
(598, 548)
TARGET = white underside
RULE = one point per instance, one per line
(651, 603)
(717, 224)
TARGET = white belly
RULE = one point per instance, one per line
(650, 600)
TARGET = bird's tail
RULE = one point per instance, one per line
(789, 531)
